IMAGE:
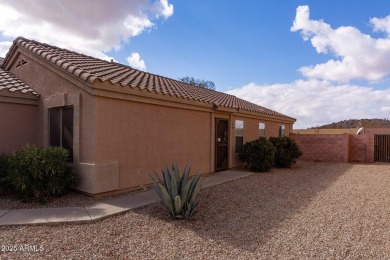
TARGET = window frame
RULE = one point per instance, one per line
(238, 136)
(261, 130)
(282, 130)
(61, 128)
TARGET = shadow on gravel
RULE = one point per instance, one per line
(244, 212)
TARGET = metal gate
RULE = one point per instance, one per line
(382, 148)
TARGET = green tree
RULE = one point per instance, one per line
(198, 82)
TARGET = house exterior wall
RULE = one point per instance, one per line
(18, 127)
(140, 138)
(122, 135)
(57, 90)
(143, 138)
(251, 132)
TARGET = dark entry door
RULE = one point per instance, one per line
(221, 144)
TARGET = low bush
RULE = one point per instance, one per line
(38, 173)
(287, 151)
(4, 171)
(177, 193)
(258, 155)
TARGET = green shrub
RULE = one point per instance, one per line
(258, 155)
(177, 193)
(287, 151)
(4, 171)
(38, 173)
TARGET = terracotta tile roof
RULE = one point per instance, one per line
(12, 86)
(92, 69)
(1, 61)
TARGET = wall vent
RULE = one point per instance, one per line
(21, 63)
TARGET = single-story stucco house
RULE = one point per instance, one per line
(121, 124)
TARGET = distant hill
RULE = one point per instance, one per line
(356, 123)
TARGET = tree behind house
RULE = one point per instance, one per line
(198, 82)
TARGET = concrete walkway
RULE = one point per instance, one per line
(88, 214)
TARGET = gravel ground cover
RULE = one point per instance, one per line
(311, 211)
(72, 199)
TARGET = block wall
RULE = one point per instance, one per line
(323, 147)
(336, 147)
(362, 148)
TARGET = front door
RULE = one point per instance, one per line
(221, 144)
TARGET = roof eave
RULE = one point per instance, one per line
(17, 94)
(16, 99)
(108, 87)
(6, 62)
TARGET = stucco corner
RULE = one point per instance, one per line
(97, 178)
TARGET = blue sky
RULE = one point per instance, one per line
(334, 64)
(236, 42)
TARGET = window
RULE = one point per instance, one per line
(261, 130)
(239, 127)
(281, 130)
(61, 128)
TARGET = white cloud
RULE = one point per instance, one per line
(357, 55)
(89, 26)
(326, 96)
(136, 62)
(317, 102)
(166, 8)
(4, 47)
(381, 25)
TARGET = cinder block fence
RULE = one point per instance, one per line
(336, 147)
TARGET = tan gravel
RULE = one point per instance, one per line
(72, 199)
(312, 211)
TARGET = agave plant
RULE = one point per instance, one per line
(177, 193)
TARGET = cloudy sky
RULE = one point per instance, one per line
(317, 61)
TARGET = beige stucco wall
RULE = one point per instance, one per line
(18, 126)
(58, 89)
(251, 132)
(142, 138)
(120, 137)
